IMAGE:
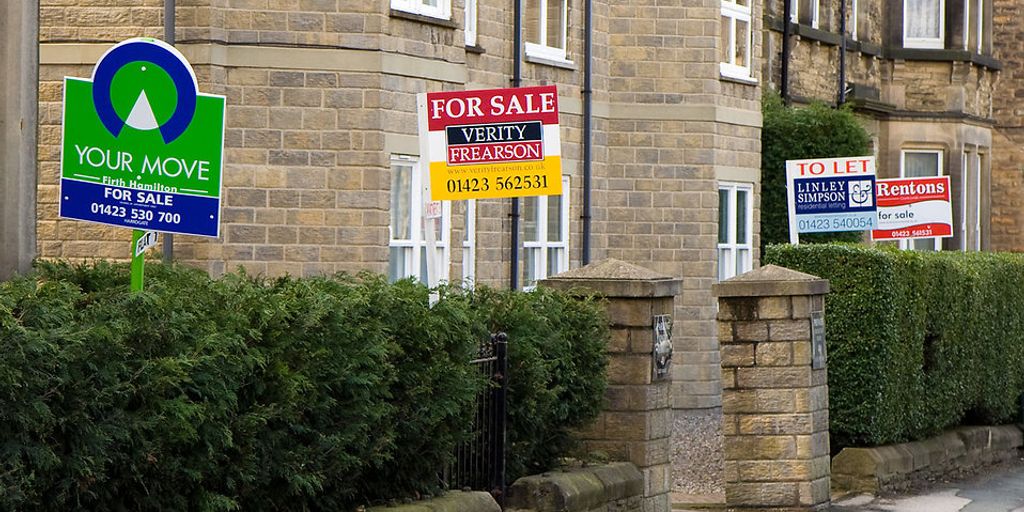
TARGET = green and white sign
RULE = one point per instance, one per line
(142, 148)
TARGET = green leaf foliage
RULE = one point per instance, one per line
(253, 394)
(795, 133)
(917, 342)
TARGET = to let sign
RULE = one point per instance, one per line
(142, 148)
(492, 143)
(831, 194)
(914, 208)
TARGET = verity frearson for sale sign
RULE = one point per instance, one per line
(831, 194)
(914, 208)
(492, 143)
(142, 147)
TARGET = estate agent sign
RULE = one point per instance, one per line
(142, 148)
(492, 143)
(914, 208)
(831, 194)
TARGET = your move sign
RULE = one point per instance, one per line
(142, 148)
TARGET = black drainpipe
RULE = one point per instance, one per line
(169, 39)
(841, 97)
(588, 49)
(784, 85)
(517, 80)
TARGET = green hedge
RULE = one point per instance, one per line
(248, 394)
(917, 342)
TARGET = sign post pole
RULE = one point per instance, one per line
(138, 260)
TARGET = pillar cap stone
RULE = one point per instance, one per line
(771, 281)
(616, 278)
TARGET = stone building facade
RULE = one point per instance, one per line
(1008, 137)
(321, 143)
(923, 76)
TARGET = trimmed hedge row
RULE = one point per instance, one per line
(917, 342)
(247, 394)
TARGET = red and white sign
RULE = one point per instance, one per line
(491, 143)
(913, 208)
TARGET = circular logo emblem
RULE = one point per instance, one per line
(149, 52)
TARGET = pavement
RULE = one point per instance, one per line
(1000, 489)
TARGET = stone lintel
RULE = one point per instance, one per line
(771, 281)
(615, 278)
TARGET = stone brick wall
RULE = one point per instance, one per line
(775, 398)
(1007, 156)
(603, 488)
(321, 94)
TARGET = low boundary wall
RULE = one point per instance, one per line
(896, 467)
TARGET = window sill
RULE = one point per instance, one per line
(745, 80)
(422, 18)
(548, 61)
(475, 48)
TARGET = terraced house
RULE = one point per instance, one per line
(922, 75)
(660, 147)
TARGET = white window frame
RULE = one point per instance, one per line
(732, 246)
(443, 10)
(542, 49)
(737, 13)
(853, 20)
(413, 259)
(471, 19)
(981, 26)
(977, 200)
(469, 245)
(542, 245)
(964, 184)
(794, 12)
(909, 244)
(925, 42)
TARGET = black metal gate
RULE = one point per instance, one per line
(480, 461)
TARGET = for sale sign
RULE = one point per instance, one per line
(831, 194)
(492, 143)
(142, 148)
(914, 208)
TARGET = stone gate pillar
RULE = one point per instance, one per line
(635, 424)
(771, 332)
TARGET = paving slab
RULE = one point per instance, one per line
(999, 490)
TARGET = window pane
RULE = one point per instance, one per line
(742, 259)
(916, 165)
(742, 234)
(742, 38)
(530, 214)
(723, 216)
(397, 262)
(555, 261)
(922, 18)
(555, 218)
(430, 3)
(724, 264)
(423, 264)
(556, 24)
(531, 23)
(401, 197)
(530, 265)
(924, 244)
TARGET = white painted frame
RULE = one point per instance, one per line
(412, 247)
(737, 13)
(471, 22)
(542, 245)
(728, 250)
(925, 42)
(543, 48)
(443, 9)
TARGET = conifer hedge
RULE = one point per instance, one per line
(917, 341)
(249, 394)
